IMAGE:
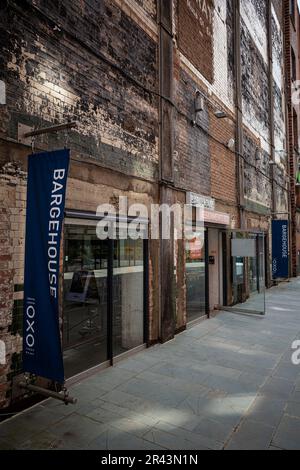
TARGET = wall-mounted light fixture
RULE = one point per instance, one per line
(231, 144)
(199, 102)
(198, 105)
(220, 114)
(258, 154)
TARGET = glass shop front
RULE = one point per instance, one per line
(105, 305)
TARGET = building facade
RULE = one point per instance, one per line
(292, 77)
(175, 102)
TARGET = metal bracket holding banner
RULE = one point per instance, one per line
(26, 133)
(22, 131)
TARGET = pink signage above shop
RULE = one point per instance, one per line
(219, 218)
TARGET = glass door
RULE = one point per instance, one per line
(128, 295)
(105, 297)
(85, 299)
(248, 272)
(196, 276)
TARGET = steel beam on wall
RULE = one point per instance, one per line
(166, 90)
(290, 137)
(272, 129)
(239, 112)
(166, 78)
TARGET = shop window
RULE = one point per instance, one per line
(93, 332)
(85, 300)
(196, 277)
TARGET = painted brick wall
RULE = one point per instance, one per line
(55, 73)
(219, 56)
(291, 28)
(192, 162)
(279, 91)
(195, 34)
(256, 106)
(12, 232)
(255, 69)
(197, 158)
(223, 165)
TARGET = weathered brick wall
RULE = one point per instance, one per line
(192, 164)
(279, 91)
(291, 43)
(56, 67)
(96, 62)
(215, 61)
(195, 34)
(258, 187)
(88, 61)
(256, 105)
(219, 84)
(280, 141)
(223, 167)
(12, 232)
(149, 6)
(197, 157)
(255, 100)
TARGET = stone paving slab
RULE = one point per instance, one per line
(227, 383)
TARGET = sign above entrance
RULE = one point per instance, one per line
(217, 218)
(203, 201)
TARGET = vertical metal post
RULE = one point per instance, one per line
(146, 293)
(272, 130)
(225, 271)
(207, 300)
(166, 167)
(110, 273)
(239, 114)
(258, 262)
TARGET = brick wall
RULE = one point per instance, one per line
(56, 66)
(192, 162)
(88, 61)
(256, 107)
(197, 156)
(12, 232)
(96, 62)
(223, 163)
(291, 28)
(195, 34)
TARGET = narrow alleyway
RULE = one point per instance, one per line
(228, 383)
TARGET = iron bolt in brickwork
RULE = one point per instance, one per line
(2, 353)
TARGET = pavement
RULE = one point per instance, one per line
(227, 383)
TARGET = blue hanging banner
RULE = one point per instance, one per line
(47, 179)
(280, 249)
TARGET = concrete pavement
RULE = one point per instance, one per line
(228, 383)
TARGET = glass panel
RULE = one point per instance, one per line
(128, 295)
(195, 277)
(248, 273)
(85, 300)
